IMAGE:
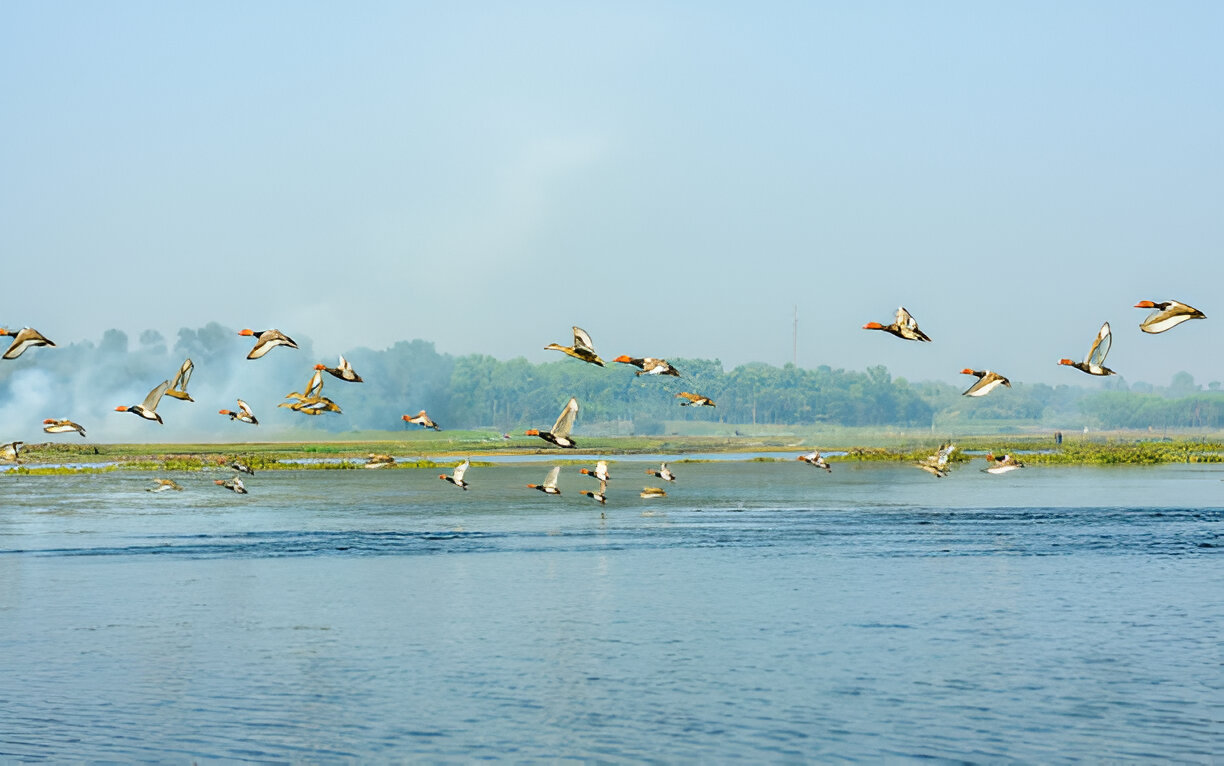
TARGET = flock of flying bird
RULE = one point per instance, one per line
(1164, 316)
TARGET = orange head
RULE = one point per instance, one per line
(48, 421)
(121, 409)
(623, 358)
(581, 470)
(405, 417)
(1145, 305)
(320, 367)
(533, 486)
(218, 481)
(873, 326)
(4, 331)
(224, 412)
(532, 432)
(1065, 361)
(441, 476)
(967, 371)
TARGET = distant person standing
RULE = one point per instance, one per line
(1058, 437)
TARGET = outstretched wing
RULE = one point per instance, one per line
(150, 401)
(565, 422)
(461, 469)
(551, 481)
(582, 340)
(184, 376)
(1100, 347)
(905, 320)
(315, 386)
(246, 410)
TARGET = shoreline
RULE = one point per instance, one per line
(67, 458)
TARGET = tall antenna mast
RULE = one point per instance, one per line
(795, 339)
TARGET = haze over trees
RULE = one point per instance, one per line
(85, 381)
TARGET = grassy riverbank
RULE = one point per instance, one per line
(431, 450)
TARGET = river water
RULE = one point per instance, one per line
(760, 611)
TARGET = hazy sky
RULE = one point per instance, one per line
(675, 178)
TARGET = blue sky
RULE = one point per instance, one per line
(676, 178)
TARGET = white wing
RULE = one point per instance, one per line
(150, 401)
(1100, 347)
(461, 469)
(246, 410)
(551, 481)
(582, 340)
(184, 376)
(565, 422)
(905, 320)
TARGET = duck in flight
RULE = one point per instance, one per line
(243, 414)
(662, 472)
(1094, 362)
(11, 452)
(814, 458)
(1166, 315)
(695, 400)
(648, 365)
(148, 408)
(63, 426)
(549, 487)
(600, 472)
(178, 386)
(582, 349)
(266, 340)
(601, 496)
(903, 326)
(1001, 464)
(457, 474)
(23, 339)
(937, 464)
(163, 485)
(343, 371)
(234, 485)
(421, 419)
(987, 381)
(560, 433)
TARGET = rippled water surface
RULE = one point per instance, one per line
(760, 611)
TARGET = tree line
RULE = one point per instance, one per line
(479, 391)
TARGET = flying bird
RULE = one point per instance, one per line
(649, 492)
(23, 339)
(814, 459)
(1094, 362)
(663, 472)
(178, 386)
(11, 452)
(904, 326)
(937, 464)
(243, 414)
(422, 420)
(148, 408)
(1001, 464)
(378, 461)
(266, 340)
(582, 349)
(242, 467)
(1166, 315)
(549, 487)
(601, 496)
(165, 484)
(559, 435)
(344, 371)
(234, 485)
(649, 366)
(987, 382)
(695, 400)
(600, 472)
(62, 427)
(456, 476)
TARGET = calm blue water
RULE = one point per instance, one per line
(761, 611)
